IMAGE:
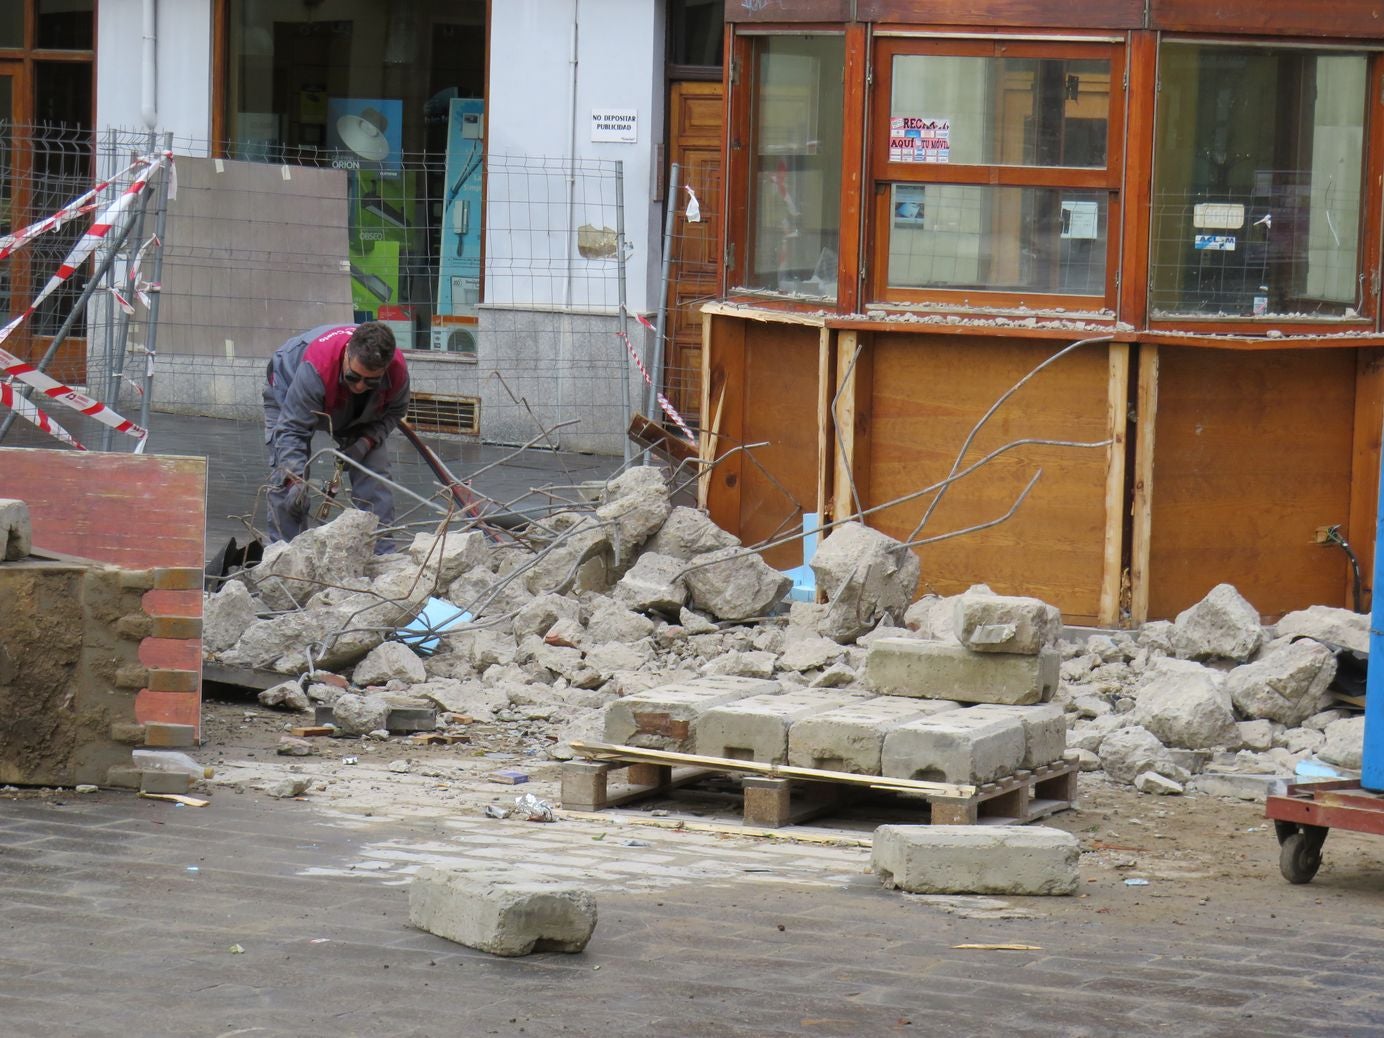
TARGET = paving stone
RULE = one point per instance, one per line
(663, 718)
(948, 670)
(850, 738)
(1045, 729)
(504, 914)
(757, 728)
(970, 859)
(954, 746)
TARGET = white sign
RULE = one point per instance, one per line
(615, 125)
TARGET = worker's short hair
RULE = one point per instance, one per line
(371, 345)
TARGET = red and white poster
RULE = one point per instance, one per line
(919, 138)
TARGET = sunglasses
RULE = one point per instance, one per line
(355, 378)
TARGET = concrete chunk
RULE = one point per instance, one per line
(663, 718)
(734, 584)
(947, 670)
(757, 728)
(850, 738)
(1006, 623)
(16, 532)
(955, 746)
(1045, 730)
(502, 914)
(969, 859)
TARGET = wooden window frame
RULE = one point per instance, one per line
(1371, 217)
(884, 174)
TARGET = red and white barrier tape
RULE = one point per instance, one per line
(16, 368)
(26, 410)
(9, 243)
(662, 400)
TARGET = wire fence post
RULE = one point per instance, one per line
(152, 333)
(620, 288)
(661, 321)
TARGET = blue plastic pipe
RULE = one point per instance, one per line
(1372, 766)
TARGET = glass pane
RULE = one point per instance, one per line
(1257, 182)
(795, 167)
(66, 24)
(694, 31)
(1018, 239)
(12, 24)
(999, 111)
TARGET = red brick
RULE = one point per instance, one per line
(173, 707)
(173, 603)
(171, 654)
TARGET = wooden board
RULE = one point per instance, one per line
(1349, 18)
(927, 393)
(1254, 452)
(1006, 14)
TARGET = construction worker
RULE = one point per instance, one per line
(349, 381)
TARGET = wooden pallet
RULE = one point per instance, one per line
(775, 795)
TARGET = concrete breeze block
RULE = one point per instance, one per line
(973, 859)
(1005, 623)
(955, 746)
(757, 728)
(850, 738)
(663, 718)
(1045, 729)
(16, 531)
(501, 913)
(946, 670)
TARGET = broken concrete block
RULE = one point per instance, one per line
(1288, 684)
(1328, 624)
(632, 518)
(174, 782)
(389, 661)
(226, 616)
(664, 718)
(1158, 785)
(653, 585)
(932, 617)
(695, 623)
(1045, 730)
(578, 539)
(757, 728)
(539, 615)
(477, 699)
(334, 554)
(734, 584)
(687, 533)
(446, 556)
(1255, 735)
(611, 657)
(954, 746)
(359, 715)
(1126, 752)
(1237, 785)
(611, 622)
(1221, 626)
(16, 531)
(287, 788)
(1005, 623)
(866, 575)
(742, 664)
(1184, 704)
(1345, 743)
(972, 859)
(811, 652)
(503, 914)
(946, 670)
(850, 738)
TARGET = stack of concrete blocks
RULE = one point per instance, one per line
(71, 668)
(1005, 661)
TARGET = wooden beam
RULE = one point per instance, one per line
(1364, 468)
(1007, 14)
(850, 423)
(825, 389)
(709, 433)
(1117, 400)
(789, 11)
(1146, 419)
(1340, 18)
(1142, 68)
(764, 315)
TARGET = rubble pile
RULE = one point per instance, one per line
(632, 593)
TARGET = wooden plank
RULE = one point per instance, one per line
(1358, 19)
(764, 315)
(850, 433)
(853, 144)
(1146, 420)
(825, 387)
(610, 751)
(725, 366)
(1254, 453)
(1112, 568)
(1007, 14)
(1205, 339)
(1364, 468)
(927, 394)
(788, 11)
(1132, 306)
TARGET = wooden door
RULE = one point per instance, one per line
(694, 134)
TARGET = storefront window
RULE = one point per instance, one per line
(65, 24)
(12, 26)
(994, 171)
(795, 165)
(391, 93)
(1257, 180)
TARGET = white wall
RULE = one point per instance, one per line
(184, 66)
(530, 112)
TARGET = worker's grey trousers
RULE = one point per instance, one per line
(368, 491)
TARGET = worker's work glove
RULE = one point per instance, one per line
(297, 503)
(358, 449)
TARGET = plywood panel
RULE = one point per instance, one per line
(780, 408)
(1253, 453)
(927, 394)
